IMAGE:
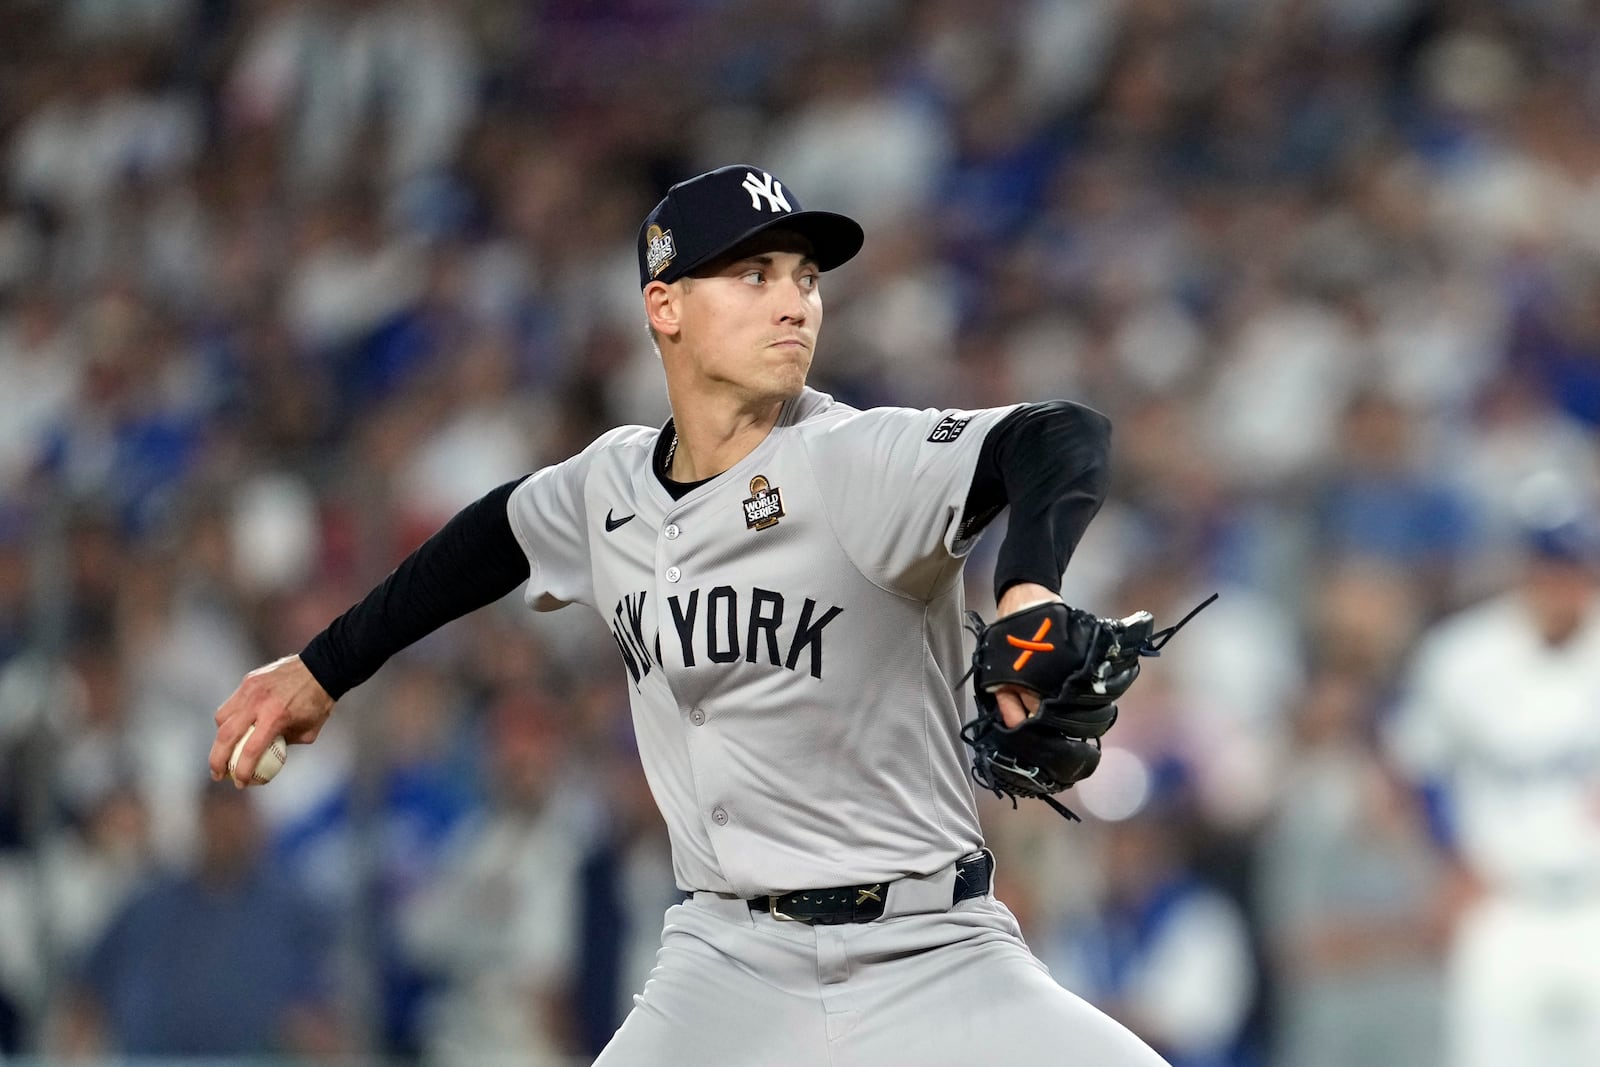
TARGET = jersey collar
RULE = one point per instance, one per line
(801, 407)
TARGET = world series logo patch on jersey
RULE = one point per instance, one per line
(659, 249)
(765, 506)
(949, 428)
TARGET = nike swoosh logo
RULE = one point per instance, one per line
(612, 524)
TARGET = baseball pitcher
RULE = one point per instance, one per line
(782, 576)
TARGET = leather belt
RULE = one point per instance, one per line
(864, 903)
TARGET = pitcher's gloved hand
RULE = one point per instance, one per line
(1079, 665)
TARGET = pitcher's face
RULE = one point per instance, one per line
(749, 320)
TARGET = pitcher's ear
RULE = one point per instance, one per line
(661, 307)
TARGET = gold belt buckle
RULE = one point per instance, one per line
(772, 909)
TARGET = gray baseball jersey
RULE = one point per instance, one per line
(792, 634)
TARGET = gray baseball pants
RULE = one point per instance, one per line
(918, 988)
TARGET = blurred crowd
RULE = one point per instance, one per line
(284, 283)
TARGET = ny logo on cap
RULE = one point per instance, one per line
(766, 186)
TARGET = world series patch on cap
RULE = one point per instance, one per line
(712, 213)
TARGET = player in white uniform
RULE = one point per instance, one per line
(1502, 718)
(782, 575)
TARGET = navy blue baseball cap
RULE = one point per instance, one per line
(1557, 519)
(1574, 540)
(712, 213)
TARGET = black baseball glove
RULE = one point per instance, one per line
(1079, 665)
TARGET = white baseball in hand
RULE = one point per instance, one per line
(270, 763)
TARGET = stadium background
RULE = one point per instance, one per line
(284, 283)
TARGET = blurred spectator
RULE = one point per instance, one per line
(486, 437)
(378, 841)
(55, 906)
(94, 556)
(16, 587)
(1379, 504)
(332, 78)
(347, 294)
(1301, 354)
(625, 884)
(94, 731)
(139, 428)
(1065, 49)
(40, 371)
(91, 867)
(108, 120)
(901, 321)
(1166, 954)
(180, 624)
(1350, 894)
(495, 929)
(1217, 705)
(1362, 622)
(1498, 722)
(871, 149)
(224, 958)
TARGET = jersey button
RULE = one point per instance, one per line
(719, 816)
(672, 531)
(673, 574)
(697, 717)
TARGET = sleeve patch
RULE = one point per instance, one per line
(949, 428)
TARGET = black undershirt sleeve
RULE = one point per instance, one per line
(472, 561)
(1050, 463)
